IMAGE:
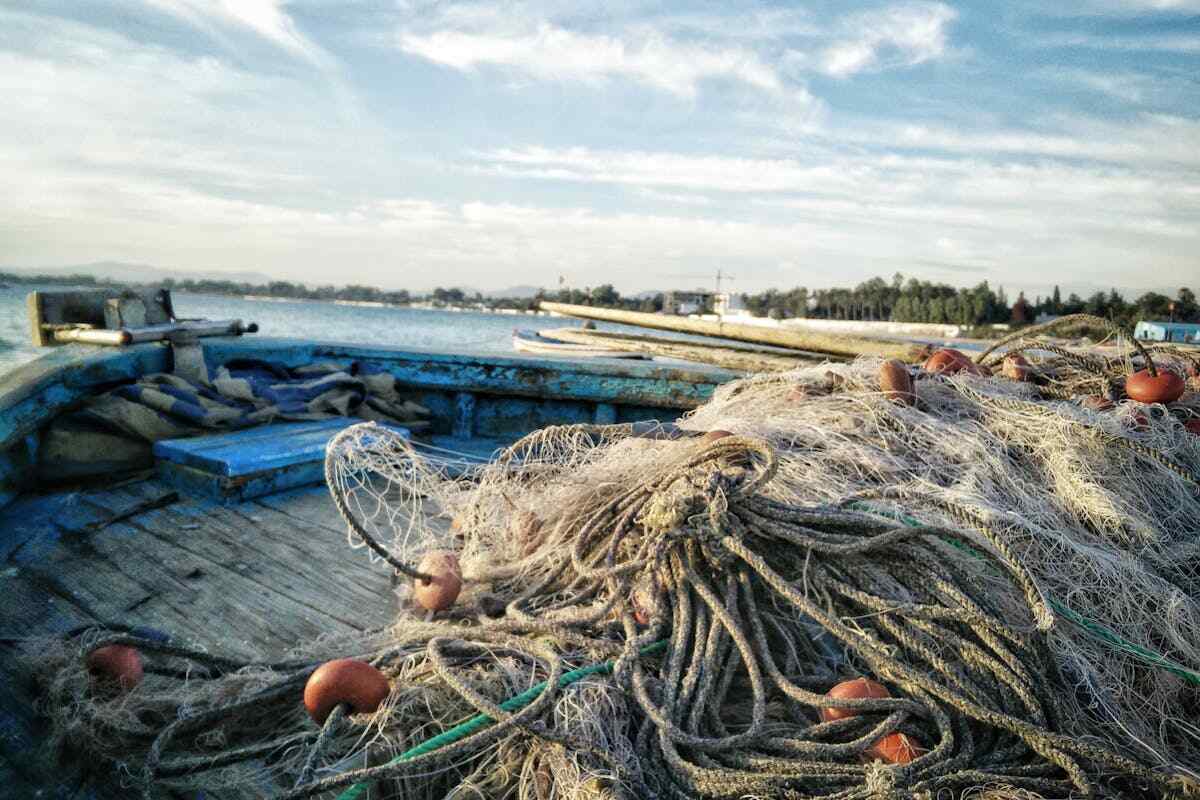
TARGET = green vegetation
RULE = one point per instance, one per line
(922, 301)
(900, 300)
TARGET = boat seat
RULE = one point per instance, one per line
(242, 465)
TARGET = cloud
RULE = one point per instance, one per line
(712, 172)
(1130, 87)
(549, 52)
(898, 36)
(1149, 139)
(1163, 43)
(1139, 6)
(264, 18)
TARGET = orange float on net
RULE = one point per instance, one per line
(1015, 368)
(440, 592)
(895, 748)
(344, 680)
(948, 361)
(857, 689)
(116, 664)
(1165, 387)
(896, 383)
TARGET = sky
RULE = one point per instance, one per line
(411, 144)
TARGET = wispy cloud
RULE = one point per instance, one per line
(1131, 87)
(267, 19)
(1162, 43)
(903, 35)
(550, 52)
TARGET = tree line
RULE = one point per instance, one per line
(913, 300)
(898, 300)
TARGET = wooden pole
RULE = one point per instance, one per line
(727, 357)
(779, 336)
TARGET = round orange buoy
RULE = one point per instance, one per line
(895, 748)
(713, 436)
(857, 689)
(439, 593)
(117, 664)
(1165, 387)
(344, 680)
(948, 361)
(896, 383)
(1015, 368)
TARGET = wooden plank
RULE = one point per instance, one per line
(255, 450)
(252, 580)
(779, 336)
(707, 353)
(307, 565)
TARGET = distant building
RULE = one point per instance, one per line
(728, 304)
(686, 302)
(1157, 331)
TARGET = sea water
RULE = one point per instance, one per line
(426, 329)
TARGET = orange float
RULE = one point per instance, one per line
(1165, 387)
(344, 680)
(117, 664)
(896, 383)
(949, 361)
(440, 592)
(1015, 368)
(857, 689)
(895, 748)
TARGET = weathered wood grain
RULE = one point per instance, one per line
(250, 580)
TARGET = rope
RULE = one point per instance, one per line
(759, 606)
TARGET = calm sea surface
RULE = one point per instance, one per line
(436, 330)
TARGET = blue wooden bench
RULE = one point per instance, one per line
(241, 465)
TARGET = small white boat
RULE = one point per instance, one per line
(527, 341)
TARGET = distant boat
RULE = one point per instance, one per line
(1160, 331)
(526, 341)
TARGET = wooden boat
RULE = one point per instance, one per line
(526, 341)
(232, 542)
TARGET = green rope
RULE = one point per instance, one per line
(511, 704)
(1097, 629)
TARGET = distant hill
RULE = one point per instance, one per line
(125, 272)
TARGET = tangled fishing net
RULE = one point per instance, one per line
(648, 612)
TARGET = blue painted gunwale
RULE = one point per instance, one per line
(34, 394)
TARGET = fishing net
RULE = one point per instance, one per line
(651, 612)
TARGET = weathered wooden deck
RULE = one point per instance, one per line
(253, 578)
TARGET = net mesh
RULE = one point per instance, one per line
(1018, 572)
